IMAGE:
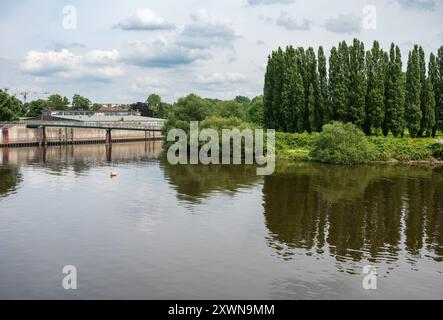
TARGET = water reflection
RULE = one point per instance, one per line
(10, 179)
(280, 236)
(351, 213)
(80, 158)
(355, 213)
(195, 182)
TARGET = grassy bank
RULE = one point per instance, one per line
(299, 147)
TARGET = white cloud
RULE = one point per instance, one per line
(344, 23)
(426, 5)
(290, 23)
(145, 19)
(46, 63)
(269, 2)
(102, 57)
(93, 65)
(149, 85)
(204, 32)
(163, 54)
(221, 78)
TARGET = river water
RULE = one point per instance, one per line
(158, 231)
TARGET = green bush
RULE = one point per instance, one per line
(437, 151)
(294, 140)
(401, 149)
(340, 143)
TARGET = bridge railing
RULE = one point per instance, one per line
(156, 124)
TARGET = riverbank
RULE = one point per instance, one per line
(294, 146)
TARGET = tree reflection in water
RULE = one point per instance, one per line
(10, 179)
(355, 213)
(195, 182)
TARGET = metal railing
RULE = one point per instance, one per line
(149, 124)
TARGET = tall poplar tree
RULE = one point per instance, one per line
(277, 90)
(437, 79)
(313, 108)
(268, 93)
(326, 112)
(425, 108)
(293, 94)
(334, 93)
(375, 109)
(357, 85)
(343, 83)
(413, 93)
(394, 94)
(428, 101)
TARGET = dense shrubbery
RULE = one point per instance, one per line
(294, 146)
(340, 143)
(302, 146)
(437, 150)
(401, 149)
(211, 114)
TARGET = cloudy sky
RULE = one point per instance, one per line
(121, 51)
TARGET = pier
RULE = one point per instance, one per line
(42, 133)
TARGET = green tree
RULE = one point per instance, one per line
(256, 111)
(186, 109)
(342, 144)
(427, 110)
(292, 93)
(375, 108)
(154, 100)
(277, 87)
(394, 94)
(162, 111)
(58, 102)
(80, 103)
(36, 107)
(96, 106)
(428, 119)
(230, 109)
(341, 81)
(268, 91)
(436, 75)
(413, 93)
(10, 107)
(326, 112)
(310, 108)
(357, 84)
(334, 93)
(314, 116)
(155, 103)
(245, 101)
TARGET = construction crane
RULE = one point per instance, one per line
(25, 94)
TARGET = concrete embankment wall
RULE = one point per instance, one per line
(21, 136)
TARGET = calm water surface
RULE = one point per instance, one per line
(158, 231)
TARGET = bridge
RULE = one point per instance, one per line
(146, 126)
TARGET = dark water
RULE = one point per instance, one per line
(157, 231)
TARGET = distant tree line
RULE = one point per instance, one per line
(12, 108)
(367, 88)
(214, 111)
(241, 108)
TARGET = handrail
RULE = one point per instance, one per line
(148, 124)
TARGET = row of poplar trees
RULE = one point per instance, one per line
(367, 88)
